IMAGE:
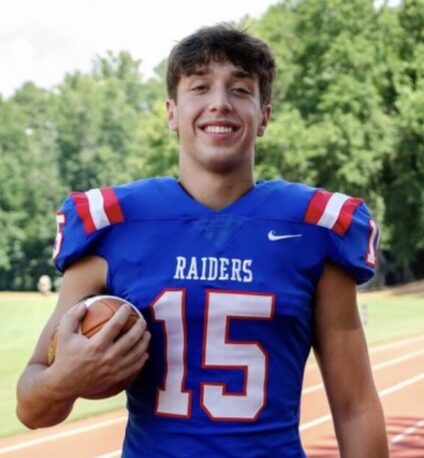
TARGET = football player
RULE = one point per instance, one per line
(236, 279)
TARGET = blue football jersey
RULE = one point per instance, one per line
(228, 298)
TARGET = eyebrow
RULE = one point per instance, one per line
(203, 71)
(242, 74)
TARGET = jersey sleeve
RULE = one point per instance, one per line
(353, 233)
(82, 222)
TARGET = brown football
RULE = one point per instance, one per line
(100, 309)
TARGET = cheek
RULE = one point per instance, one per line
(187, 117)
(251, 112)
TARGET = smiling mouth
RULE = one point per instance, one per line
(219, 129)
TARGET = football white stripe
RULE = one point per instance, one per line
(95, 203)
(90, 301)
(332, 210)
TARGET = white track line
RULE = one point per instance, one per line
(400, 343)
(382, 394)
(303, 427)
(83, 429)
(375, 368)
(325, 418)
(399, 386)
(61, 435)
(407, 432)
(379, 348)
(399, 359)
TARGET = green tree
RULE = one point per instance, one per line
(404, 190)
(29, 185)
(97, 119)
(347, 115)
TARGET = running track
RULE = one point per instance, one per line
(399, 374)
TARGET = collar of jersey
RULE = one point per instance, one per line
(182, 202)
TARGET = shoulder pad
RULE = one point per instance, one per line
(353, 233)
(97, 208)
(286, 200)
(331, 210)
(79, 223)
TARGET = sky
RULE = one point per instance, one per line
(42, 40)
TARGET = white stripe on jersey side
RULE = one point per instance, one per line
(97, 212)
(332, 210)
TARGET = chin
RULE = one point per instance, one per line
(224, 161)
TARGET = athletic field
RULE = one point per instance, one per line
(395, 332)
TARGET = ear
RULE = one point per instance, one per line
(171, 110)
(265, 115)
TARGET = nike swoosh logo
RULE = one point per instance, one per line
(273, 236)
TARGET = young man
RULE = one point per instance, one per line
(236, 279)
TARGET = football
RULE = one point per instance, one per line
(100, 309)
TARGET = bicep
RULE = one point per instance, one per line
(340, 344)
(87, 276)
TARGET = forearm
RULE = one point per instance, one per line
(362, 433)
(40, 402)
(46, 394)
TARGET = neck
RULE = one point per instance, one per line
(216, 190)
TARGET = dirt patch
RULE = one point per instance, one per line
(415, 288)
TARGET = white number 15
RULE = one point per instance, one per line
(219, 352)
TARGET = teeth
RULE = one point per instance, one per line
(219, 129)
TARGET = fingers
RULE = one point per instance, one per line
(109, 342)
(131, 348)
(136, 357)
(123, 358)
(133, 337)
(71, 320)
(140, 346)
(113, 328)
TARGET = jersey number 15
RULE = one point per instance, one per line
(219, 352)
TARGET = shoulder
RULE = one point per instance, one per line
(334, 211)
(84, 218)
(352, 231)
(101, 207)
(344, 222)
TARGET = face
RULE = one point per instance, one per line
(218, 117)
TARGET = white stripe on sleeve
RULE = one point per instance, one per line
(95, 203)
(332, 210)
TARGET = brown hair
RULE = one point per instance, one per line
(221, 43)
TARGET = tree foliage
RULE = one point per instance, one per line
(348, 115)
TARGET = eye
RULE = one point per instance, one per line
(199, 88)
(242, 90)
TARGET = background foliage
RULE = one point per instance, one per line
(348, 115)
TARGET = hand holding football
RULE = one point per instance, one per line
(100, 309)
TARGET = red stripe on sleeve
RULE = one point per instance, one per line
(112, 206)
(83, 211)
(317, 206)
(345, 217)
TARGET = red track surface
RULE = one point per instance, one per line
(398, 371)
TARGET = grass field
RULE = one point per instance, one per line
(23, 316)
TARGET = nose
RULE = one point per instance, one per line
(220, 101)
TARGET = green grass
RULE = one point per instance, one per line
(23, 317)
(393, 317)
